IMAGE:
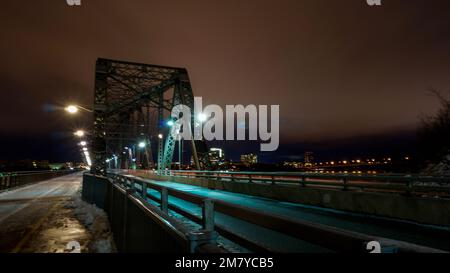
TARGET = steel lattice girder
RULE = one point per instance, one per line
(124, 88)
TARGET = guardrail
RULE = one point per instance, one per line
(16, 179)
(394, 183)
(328, 237)
(140, 227)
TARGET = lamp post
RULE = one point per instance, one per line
(73, 109)
(79, 133)
(142, 145)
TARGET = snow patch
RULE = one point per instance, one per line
(96, 221)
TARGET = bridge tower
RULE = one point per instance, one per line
(132, 103)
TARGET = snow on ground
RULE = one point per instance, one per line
(96, 221)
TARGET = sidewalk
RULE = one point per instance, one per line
(48, 217)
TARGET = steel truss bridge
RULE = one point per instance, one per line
(132, 103)
(258, 212)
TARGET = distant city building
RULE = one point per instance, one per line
(295, 165)
(249, 159)
(309, 158)
(216, 156)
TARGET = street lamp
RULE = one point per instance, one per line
(170, 123)
(73, 109)
(79, 133)
(83, 143)
(88, 158)
(202, 117)
(160, 136)
(142, 145)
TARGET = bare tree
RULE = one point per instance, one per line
(434, 132)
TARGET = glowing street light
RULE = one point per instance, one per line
(170, 123)
(79, 133)
(72, 109)
(88, 158)
(202, 117)
(83, 143)
(160, 136)
(142, 145)
(85, 149)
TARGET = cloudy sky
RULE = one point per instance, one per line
(338, 69)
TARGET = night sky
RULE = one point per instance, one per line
(344, 73)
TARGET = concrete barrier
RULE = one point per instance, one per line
(421, 210)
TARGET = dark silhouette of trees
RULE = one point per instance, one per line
(434, 133)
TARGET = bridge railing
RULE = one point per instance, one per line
(11, 180)
(328, 237)
(391, 183)
(155, 226)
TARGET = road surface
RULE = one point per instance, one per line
(36, 219)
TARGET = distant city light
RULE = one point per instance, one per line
(220, 151)
(142, 144)
(83, 143)
(85, 149)
(170, 123)
(160, 136)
